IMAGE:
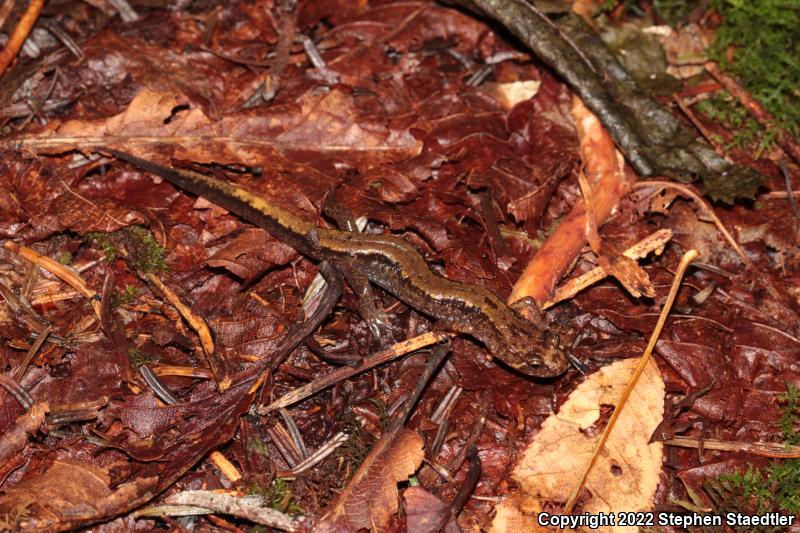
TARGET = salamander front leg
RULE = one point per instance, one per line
(377, 321)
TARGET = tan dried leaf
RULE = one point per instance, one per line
(66, 494)
(625, 476)
(510, 94)
(370, 498)
(324, 123)
(626, 271)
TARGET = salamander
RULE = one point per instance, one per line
(390, 263)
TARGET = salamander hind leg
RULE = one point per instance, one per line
(376, 319)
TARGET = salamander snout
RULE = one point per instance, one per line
(541, 357)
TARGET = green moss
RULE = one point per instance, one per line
(259, 447)
(138, 358)
(135, 244)
(146, 254)
(747, 132)
(773, 488)
(65, 258)
(786, 477)
(277, 496)
(673, 11)
(126, 296)
(104, 242)
(759, 44)
(791, 414)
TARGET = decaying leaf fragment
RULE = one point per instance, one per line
(326, 124)
(370, 498)
(66, 494)
(14, 439)
(624, 478)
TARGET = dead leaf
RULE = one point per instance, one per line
(510, 94)
(625, 477)
(425, 513)
(325, 124)
(13, 440)
(370, 498)
(68, 493)
(251, 253)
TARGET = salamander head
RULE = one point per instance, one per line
(532, 351)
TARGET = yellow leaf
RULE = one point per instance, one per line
(625, 476)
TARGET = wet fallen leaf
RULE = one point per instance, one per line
(425, 513)
(370, 501)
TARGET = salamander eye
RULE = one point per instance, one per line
(552, 340)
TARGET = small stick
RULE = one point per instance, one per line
(317, 457)
(789, 194)
(63, 272)
(686, 260)
(335, 376)
(17, 391)
(183, 371)
(199, 325)
(246, 507)
(225, 466)
(17, 39)
(31, 354)
(775, 450)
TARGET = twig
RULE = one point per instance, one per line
(38, 107)
(16, 390)
(561, 34)
(390, 436)
(222, 463)
(63, 272)
(335, 376)
(440, 415)
(686, 260)
(126, 12)
(300, 332)
(158, 387)
(248, 507)
(225, 466)
(183, 371)
(68, 413)
(199, 325)
(789, 194)
(317, 457)
(774, 450)
(66, 39)
(470, 481)
(294, 433)
(17, 39)
(23, 367)
(313, 52)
